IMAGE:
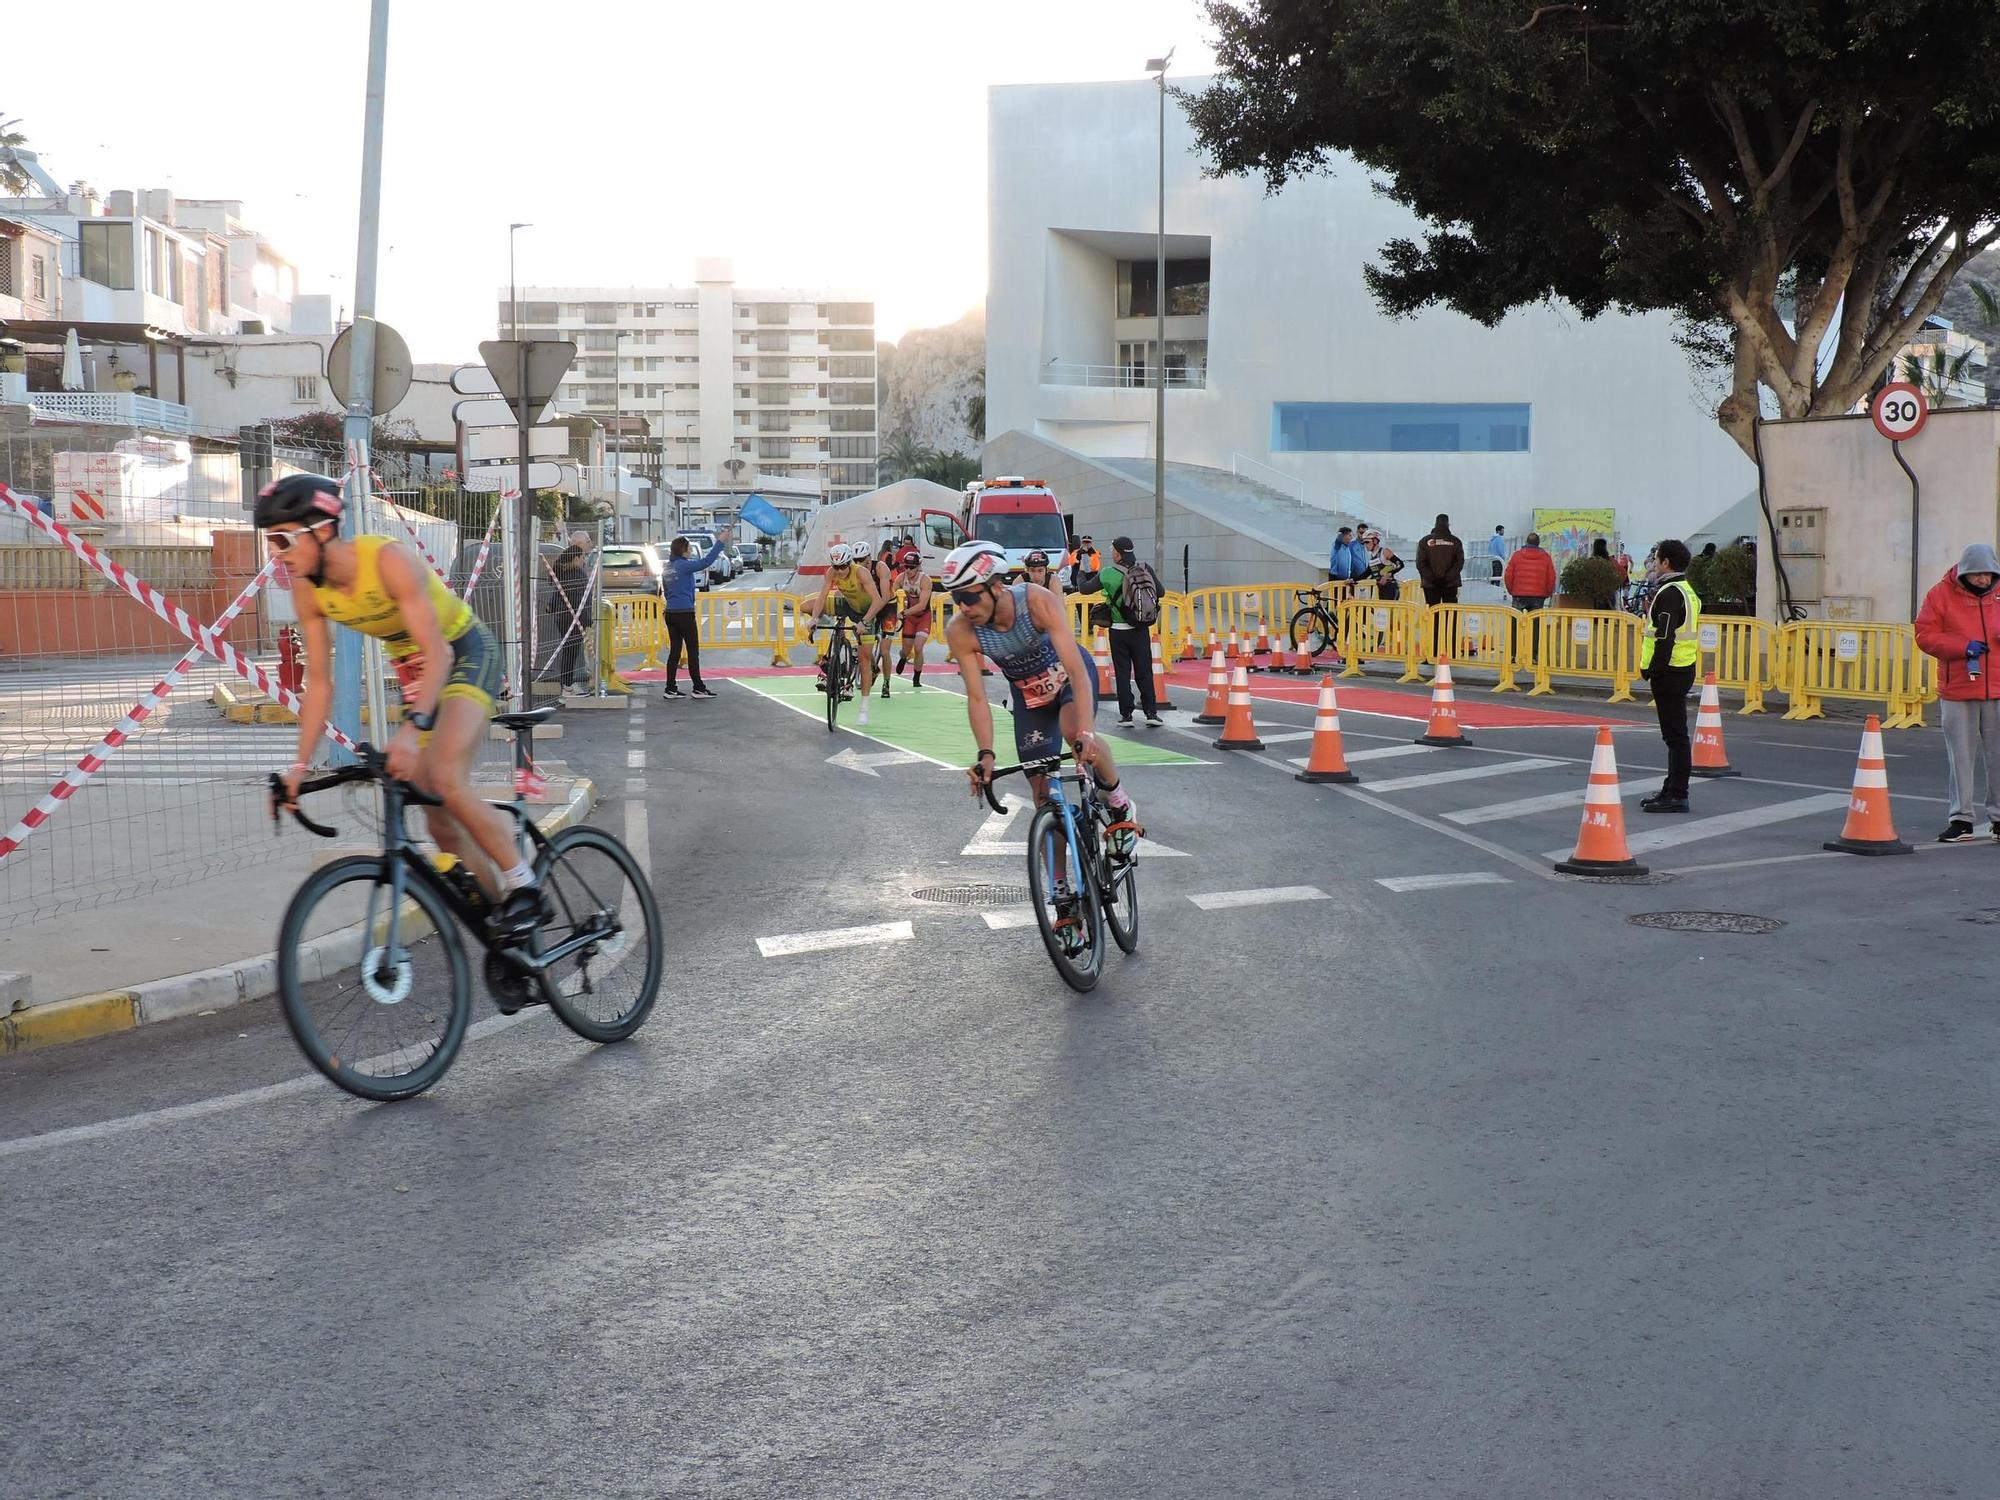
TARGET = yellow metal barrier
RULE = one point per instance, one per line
(1478, 635)
(1382, 630)
(636, 623)
(1601, 643)
(1865, 660)
(753, 620)
(1244, 608)
(1743, 654)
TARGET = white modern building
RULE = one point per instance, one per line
(1287, 388)
(736, 386)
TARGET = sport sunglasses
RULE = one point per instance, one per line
(283, 541)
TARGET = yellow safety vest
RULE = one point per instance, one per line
(1687, 640)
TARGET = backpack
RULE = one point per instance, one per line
(1139, 599)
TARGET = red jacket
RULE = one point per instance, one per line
(1953, 615)
(1531, 574)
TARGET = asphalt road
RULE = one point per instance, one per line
(1424, 1190)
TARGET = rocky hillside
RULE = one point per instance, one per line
(923, 384)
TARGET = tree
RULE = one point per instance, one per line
(14, 179)
(952, 470)
(1798, 181)
(975, 406)
(903, 457)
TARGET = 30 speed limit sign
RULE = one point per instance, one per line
(1899, 411)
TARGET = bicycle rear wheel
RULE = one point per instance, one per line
(1309, 631)
(605, 990)
(381, 1023)
(1120, 899)
(836, 676)
(1067, 911)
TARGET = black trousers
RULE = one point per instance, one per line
(1132, 656)
(572, 647)
(1671, 686)
(681, 636)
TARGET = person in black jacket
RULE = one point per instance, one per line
(1440, 566)
(569, 604)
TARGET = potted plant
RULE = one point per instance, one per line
(1726, 580)
(1588, 583)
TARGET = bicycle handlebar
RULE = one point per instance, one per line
(370, 765)
(1026, 768)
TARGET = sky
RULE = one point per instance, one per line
(813, 144)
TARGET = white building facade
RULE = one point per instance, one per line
(1281, 369)
(736, 385)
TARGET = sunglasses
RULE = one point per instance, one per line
(970, 596)
(283, 541)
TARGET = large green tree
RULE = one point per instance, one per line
(1797, 180)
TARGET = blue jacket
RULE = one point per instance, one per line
(1338, 563)
(679, 578)
(1357, 559)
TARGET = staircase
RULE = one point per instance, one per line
(1273, 517)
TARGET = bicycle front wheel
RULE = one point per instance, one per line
(605, 990)
(836, 677)
(1309, 631)
(377, 997)
(1066, 904)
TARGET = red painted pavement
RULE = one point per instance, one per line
(1476, 709)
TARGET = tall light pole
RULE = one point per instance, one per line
(680, 510)
(1157, 66)
(617, 421)
(513, 294)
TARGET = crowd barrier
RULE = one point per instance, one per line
(1478, 635)
(1598, 644)
(1834, 659)
(1389, 630)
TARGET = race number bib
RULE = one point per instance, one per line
(1043, 688)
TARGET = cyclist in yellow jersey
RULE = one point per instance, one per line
(850, 585)
(445, 658)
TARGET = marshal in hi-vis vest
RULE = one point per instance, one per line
(1687, 640)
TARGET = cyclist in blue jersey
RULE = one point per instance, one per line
(1025, 629)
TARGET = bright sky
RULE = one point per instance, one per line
(814, 144)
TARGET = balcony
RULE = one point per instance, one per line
(111, 409)
(1123, 377)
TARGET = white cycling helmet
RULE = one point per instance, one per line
(840, 554)
(972, 564)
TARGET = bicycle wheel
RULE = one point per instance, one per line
(1309, 630)
(836, 676)
(382, 1025)
(1120, 898)
(1074, 932)
(605, 990)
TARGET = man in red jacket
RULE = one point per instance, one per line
(1959, 623)
(1529, 581)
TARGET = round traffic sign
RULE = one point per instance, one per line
(1899, 411)
(393, 369)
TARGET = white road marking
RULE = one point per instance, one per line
(1284, 736)
(1384, 752)
(1696, 829)
(635, 786)
(1493, 812)
(1831, 749)
(854, 760)
(835, 937)
(1009, 917)
(635, 760)
(1401, 883)
(1464, 773)
(1267, 896)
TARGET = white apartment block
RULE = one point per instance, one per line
(732, 382)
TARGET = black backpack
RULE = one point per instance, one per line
(1139, 598)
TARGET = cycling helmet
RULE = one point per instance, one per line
(1035, 560)
(298, 497)
(839, 555)
(907, 558)
(974, 563)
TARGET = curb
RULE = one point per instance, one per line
(86, 1016)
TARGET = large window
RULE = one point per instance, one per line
(847, 312)
(848, 340)
(853, 447)
(851, 421)
(852, 395)
(1398, 427)
(854, 367)
(1187, 288)
(107, 254)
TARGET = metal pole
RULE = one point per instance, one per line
(1160, 375)
(1916, 594)
(680, 506)
(355, 670)
(617, 422)
(526, 534)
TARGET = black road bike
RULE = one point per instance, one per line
(1314, 628)
(372, 972)
(840, 671)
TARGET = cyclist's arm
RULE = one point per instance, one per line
(318, 694)
(403, 583)
(964, 648)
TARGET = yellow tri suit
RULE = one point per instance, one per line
(367, 607)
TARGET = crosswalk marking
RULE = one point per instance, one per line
(1009, 917)
(1267, 896)
(835, 937)
(1695, 829)
(1401, 883)
(1494, 812)
(1284, 736)
(1464, 773)
(1383, 752)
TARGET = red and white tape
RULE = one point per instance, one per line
(202, 636)
(479, 562)
(104, 749)
(576, 617)
(411, 531)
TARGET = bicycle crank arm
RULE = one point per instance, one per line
(535, 963)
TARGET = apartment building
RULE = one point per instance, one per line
(732, 382)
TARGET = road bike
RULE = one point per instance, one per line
(372, 972)
(1313, 627)
(840, 669)
(1079, 888)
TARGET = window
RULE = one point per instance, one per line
(746, 338)
(848, 341)
(773, 343)
(1398, 427)
(600, 395)
(853, 395)
(848, 312)
(853, 368)
(942, 531)
(774, 421)
(769, 313)
(851, 421)
(1187, 288)
(599, 343)
(7, 282)
(540, 312)
(600, 312)
(773, 395)
(305, 390)
(601, 369)
(107, 254)
(774, 447)
(38, 277)
(1187, 362)
(774, 368)
(853, 447)
(853, 474)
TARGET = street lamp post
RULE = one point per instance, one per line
(1157, 66)
(680, 511)
(617, 422)
(513, 292)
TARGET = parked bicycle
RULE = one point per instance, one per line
(840, 669)
(1078, 887)
(1314, 628)
(372, 972)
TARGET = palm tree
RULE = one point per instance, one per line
(903, 458)
(975, 406)
(1936, 372)
(14, 179)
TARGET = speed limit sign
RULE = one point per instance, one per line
(1899, 411)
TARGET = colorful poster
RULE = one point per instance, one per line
(1569, 533)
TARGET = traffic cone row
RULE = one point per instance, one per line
(1600, 843)
(1327, 761)
(1444, 728)
(1710, 759)
(1215, 709)
(1239, 731)
(1869, 829)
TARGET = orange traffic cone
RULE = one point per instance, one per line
(1192, 652)
(1215, 708)
(1106, 683)
(1709, 757)
(1160, 699)
(1327, 761)
(1263, 645)
(1444, 728)
(1240, 732)
(1235, 650)
(1302, 660)
(1869, 828)
(1600, 843)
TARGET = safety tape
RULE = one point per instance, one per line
(172, 614)
(576, 616)
(100, 753)
(479, 562)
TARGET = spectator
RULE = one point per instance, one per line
(1497, 550)
(1339, 565)
(1599, 547)
(1668, 657)
(1131, 643)
(569, 605)
(1958, 624)
(1709, 550)
(1357, 558)
(1622, 561)
(1083, 564)
(1529, 581)
(1440, 563)
(681, 630)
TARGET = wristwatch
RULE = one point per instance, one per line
(425, 722)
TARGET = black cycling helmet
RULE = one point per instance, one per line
(299, 497)
(1035, 560)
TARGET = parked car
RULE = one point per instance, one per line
(628, 568)
(751, 556)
